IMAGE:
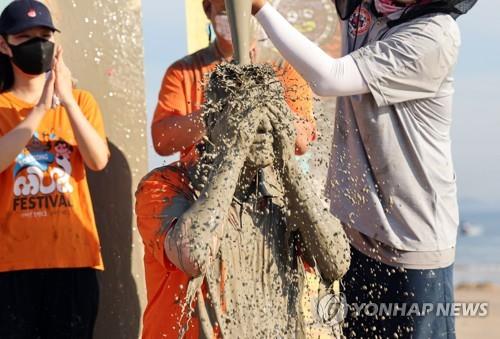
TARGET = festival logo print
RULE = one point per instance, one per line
(42, 176)
(360, 22)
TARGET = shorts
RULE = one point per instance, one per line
(390, 302)
(48, 303)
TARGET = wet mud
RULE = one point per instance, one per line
(259, 242)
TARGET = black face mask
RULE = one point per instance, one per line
(34, 56)
(345, 8)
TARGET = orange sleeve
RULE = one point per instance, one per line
(156, 196)
(171, 99)
(298, 94)
(299, 97)
(91, 110)
(5, 117)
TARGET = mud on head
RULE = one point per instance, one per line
(232, 88)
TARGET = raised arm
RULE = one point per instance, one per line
(327, 76)
(194, 241)
(93, 148)
(16, 139)
(175, 133)
(324, 239)
(175, 127)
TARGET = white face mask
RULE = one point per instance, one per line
(222, 27)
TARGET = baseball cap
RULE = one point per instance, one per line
(21, 15)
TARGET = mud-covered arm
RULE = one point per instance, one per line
(323, 236)
(324, 239)
(194, 241)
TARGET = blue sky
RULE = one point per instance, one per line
(164, 30)
(476, 126)
(476, 131)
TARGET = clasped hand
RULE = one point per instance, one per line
(236, 130)
(59, 82)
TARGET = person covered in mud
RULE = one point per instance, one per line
(177, 124)
(49, 132)
(228, 238)
(391, 178)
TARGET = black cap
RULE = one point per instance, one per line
(21, 15)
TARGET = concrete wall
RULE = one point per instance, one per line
(102, 41)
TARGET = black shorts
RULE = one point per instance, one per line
(48, 303)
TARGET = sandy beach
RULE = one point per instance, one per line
(475, 327)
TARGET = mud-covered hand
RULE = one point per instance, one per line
(325, 243)
(64, 81)
(284, 133)
(193, 245)
(235, 129)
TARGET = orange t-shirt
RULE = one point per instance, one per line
(182, 90)
(166, 284)
(162, 196)
(46, 215)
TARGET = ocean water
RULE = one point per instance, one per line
(478, 257)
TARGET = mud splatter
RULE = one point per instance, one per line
(257, 219)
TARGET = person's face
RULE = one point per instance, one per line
(218, 18)
(19, 38)
(261, 152)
